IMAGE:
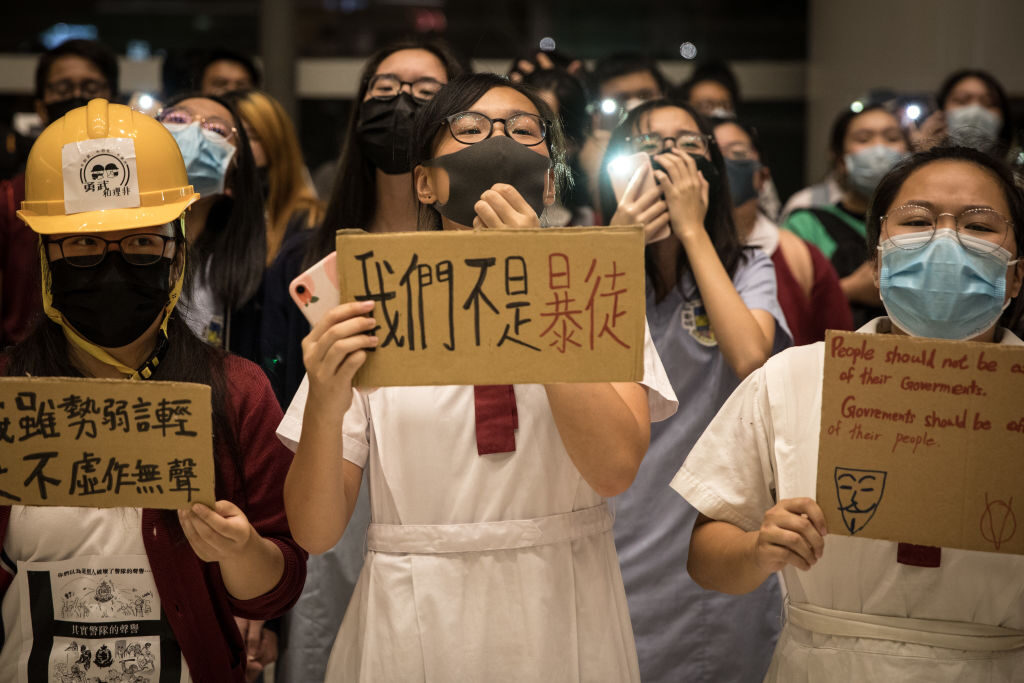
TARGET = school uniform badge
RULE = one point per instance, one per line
(695, 320)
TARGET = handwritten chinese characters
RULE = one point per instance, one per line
(499, 306)
(104, 443)
(941, 423)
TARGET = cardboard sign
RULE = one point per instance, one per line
(499, 306)
(105, 443)
(922, 441)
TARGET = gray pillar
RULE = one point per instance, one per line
(905, 45)
(277, 48)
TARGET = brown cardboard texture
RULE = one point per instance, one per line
(922, 441)
(499, 306)
(105, 443)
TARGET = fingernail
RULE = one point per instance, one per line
(195, 508)
(366, 305)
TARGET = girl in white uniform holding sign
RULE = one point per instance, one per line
(486, 561)
(860, 609)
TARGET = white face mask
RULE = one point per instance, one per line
(973, 126)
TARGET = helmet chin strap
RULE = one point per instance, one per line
(144, 371)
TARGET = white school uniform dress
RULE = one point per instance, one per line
(857, 615)
(479, 568)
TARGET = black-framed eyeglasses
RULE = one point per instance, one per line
(388, 86)
(655, 143)
(470, 127)
(89, 87)
(86, 251)
(981, 230)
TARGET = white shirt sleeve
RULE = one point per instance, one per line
(355, 430)
(728, 475)
(661, 399)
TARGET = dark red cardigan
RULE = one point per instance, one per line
(197, 604)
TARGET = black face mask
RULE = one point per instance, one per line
(475, 169)
(710, 174)
(113, 303)
(384, 131)
(55, 110)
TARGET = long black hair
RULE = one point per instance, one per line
(890, 186)
(459, 95)
(353, 200)
(572, 114)
(45, 353)
(718, 220)
(995, 91)
(234, 239)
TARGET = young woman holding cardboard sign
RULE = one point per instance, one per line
(490, 553)
(113, 267)
(944, 229)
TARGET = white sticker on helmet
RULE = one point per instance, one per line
(100, 174)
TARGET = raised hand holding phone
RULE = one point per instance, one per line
(315, 291)
(639, 197)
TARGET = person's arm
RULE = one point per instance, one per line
(605, 428)
(859, 286)
(744, 336)
(321, 487)
(260, 564)
(250, 565)
(727, 559)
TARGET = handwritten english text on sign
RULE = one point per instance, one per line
(922, 441)
(499, 306)
(105, 443)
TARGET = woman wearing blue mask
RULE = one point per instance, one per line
(226, 227)
(974, 111)
(865, 144)
(942, 226)
(450, 590)
(714, 317)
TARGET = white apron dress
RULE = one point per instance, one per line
(857, 615)
(479, 568)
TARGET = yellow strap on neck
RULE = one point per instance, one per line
(98, 352)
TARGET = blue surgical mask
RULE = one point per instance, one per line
(973, 126)
(206, 156)
(942, 289)
(867, 167)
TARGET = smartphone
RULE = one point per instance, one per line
(316, 291)
(621, 171)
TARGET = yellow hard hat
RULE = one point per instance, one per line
(104, 167)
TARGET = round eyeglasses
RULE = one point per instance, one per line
(213, 127)
(981, 230)
(86, 251)
(655, 143)
(388, 86)
(470, 127)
